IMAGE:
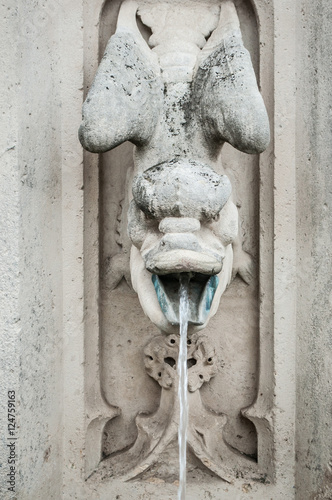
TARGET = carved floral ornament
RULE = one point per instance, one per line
(178, 99)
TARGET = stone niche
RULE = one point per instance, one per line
(118, 334)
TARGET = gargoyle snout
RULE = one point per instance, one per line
(179, 225)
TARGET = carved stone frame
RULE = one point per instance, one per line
(85, 411)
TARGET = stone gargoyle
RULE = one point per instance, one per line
(178, 99)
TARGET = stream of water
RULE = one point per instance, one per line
(183, 384)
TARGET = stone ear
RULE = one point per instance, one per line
(229, 105)
(124, 101)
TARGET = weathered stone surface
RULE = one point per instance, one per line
(181, 188)
(53, 308)
(125, 99)
(176, 180)
(227, 99)
(158, 432)
(173, 133)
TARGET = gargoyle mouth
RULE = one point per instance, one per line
(201, 290)
(206, 263)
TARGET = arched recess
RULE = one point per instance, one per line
(106, 340)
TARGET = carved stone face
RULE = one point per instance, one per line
(181, 220)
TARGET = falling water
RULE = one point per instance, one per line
(183, 384)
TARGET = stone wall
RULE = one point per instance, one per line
(314, 199)
(49, 285)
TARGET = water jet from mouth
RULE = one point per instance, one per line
(183, 383)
